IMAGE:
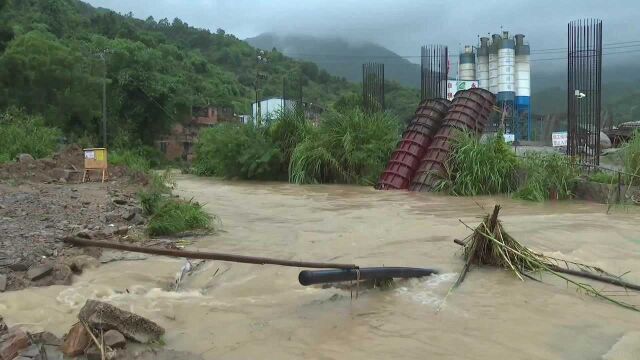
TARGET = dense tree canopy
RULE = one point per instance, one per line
(55, 55)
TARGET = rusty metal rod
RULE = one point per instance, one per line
(207, 255)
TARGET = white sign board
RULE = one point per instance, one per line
(559, 139)
(453, 86)
(509, 138)
(90, 154)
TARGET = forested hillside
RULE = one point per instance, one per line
(53, 55)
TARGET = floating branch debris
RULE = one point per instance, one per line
(491, 245)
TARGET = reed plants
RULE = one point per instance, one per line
(546, 176)
(348, 147)
(477, 168)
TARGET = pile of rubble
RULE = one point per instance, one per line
(62, 167)
(103, 331)
(42, 202)
(36, 218)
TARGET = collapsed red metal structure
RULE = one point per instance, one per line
(405, 160)
(469, 111)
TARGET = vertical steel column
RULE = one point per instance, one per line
(584, 90)
(434, 72)
(373, 87)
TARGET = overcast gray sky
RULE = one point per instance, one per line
(400, 25)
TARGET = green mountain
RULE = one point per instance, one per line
(54, 54)
(341, 58)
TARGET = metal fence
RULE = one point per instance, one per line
(584, 69)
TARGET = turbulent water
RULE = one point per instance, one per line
(239, 311)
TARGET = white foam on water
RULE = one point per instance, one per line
(429, 291)
(74, 297)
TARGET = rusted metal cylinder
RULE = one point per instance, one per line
(405, 160)
(469, 111)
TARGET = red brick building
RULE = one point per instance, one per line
(180, 142)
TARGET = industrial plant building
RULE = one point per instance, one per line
(501, 65)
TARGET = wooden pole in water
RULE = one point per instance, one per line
(207, 255)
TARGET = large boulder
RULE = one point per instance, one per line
(24, 158)
(100, 315)
(76, 340)
(79, 263)
(37, 272)
(13, 342)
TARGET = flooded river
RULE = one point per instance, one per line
(240, 311)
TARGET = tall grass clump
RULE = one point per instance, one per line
(135, 160)
(347, 147)
(477, 168)
(546, 176)
(175, 216)
(630, 154)
(287, 131)
(25, 134)
(238, 151)
(157, 190)
(170, 215)
(603, 177)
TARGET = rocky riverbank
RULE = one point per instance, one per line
(41, 203)
(103, 331)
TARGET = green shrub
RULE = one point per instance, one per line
(133, 159)
(238, 151)
(477, 168)
(177, 216)
(156, 191)
(22, 133)
(350, 147)
(604, 177)
(170, 215)
(630, 154)
(546, 174)
(287, 131)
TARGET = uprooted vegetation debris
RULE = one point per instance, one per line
(491, 245)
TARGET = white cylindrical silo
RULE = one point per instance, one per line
(522, 67)
(467, 68)
(506, 65)
(493, 63)
(483, 64)
(523, 86)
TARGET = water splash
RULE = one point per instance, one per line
(430, 291)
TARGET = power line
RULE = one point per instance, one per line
(345, 61)
(611, 45)
(603, 54)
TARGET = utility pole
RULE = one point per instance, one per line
(104, 101)
(261, 58)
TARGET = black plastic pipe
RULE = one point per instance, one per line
(310, 277)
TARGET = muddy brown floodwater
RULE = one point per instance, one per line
(239, 311)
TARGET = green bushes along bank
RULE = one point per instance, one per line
(21, 133)
(170, 215)
(477, 168)
(347, 147)
(485, 168)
